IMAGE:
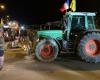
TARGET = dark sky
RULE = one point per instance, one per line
(36, 11)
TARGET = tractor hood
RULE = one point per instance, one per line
(56, 34)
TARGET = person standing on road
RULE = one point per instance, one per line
(1, 49)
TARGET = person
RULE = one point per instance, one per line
(1, 49)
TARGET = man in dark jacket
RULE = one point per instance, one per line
(1, 49)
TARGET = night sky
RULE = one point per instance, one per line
(40, 11)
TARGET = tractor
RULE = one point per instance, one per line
(78, 35)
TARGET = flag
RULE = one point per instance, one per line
(73, 5)
(65, 6)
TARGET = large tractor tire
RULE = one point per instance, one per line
(89, 47)
(46, 50)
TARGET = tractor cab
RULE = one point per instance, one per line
(84, 19)
(76, 22)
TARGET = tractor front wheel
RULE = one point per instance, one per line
(89, 47)
(46, 50)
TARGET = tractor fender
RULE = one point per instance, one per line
(85, 33)
(57, 41)
(89, 31)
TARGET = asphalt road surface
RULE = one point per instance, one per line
(64, 68)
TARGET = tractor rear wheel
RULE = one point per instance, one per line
(89, 47)
(46, 50)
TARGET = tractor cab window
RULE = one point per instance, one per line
(78, 22)
(90, 22)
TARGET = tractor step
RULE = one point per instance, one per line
(69, 48)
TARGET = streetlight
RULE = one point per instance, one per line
(2, 7)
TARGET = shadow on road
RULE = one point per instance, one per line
(75, 63)
(66, 62)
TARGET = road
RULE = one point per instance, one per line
(64, 68)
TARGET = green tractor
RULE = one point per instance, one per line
(78, 35)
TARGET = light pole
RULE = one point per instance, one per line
(2, 7)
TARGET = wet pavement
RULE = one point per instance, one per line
(63, 68)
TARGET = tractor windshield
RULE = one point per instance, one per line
(78, 22)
